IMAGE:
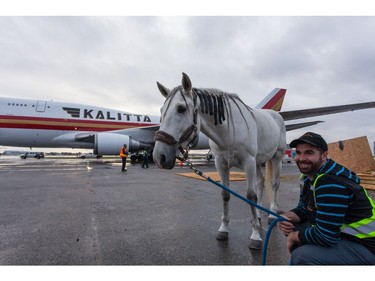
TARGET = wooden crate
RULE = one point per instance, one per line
(356, 154)
(367, 180)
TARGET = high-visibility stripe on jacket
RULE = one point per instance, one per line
(364, 228)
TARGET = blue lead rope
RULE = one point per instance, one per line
(268, 233)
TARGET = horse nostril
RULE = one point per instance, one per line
(162, 159)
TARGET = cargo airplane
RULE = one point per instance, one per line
(39, 123)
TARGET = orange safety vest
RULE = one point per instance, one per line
(123, 152)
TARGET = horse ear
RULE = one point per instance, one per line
(163, 90)
(186, 83)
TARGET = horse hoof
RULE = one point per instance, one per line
(222, 236)
(255, 244)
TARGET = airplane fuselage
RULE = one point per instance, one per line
(37, 123)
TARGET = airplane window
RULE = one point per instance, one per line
(17, 104)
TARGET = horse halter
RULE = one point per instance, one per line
(168, 139)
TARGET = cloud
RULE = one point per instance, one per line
(115, 62)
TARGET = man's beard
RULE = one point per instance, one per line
(308, 167)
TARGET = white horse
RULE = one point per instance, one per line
(239, 137)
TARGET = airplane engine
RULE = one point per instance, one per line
(110, 143)
(200, 142)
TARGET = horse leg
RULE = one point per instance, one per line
(276, 173)
(250, 170)
(222, 233)
(259, 189)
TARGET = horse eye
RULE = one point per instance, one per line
(181, 109)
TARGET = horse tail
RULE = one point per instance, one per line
(269, 171)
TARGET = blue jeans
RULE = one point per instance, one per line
(345, 252)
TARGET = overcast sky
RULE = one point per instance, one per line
(115, 62)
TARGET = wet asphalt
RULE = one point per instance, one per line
(88, 212)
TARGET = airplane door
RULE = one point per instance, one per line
(41, 106)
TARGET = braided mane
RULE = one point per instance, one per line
(216, 103)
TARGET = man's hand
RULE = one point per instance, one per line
(292, 241)
(288, 226)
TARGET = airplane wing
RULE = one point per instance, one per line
(143, 134)
(290, 127)
(311, 112)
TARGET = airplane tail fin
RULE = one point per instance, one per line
(273, 100)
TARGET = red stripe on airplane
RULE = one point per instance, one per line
(65, 124)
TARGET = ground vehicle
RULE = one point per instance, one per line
(89, 155)
(288, 157)
(137, 157)
(36, 155)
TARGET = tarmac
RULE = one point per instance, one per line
(67, 211)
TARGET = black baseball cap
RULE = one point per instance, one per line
(310, 138)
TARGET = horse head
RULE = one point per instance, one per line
(179, 123)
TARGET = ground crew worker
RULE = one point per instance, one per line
(123, 155)
(145, 159)
(334, 222)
